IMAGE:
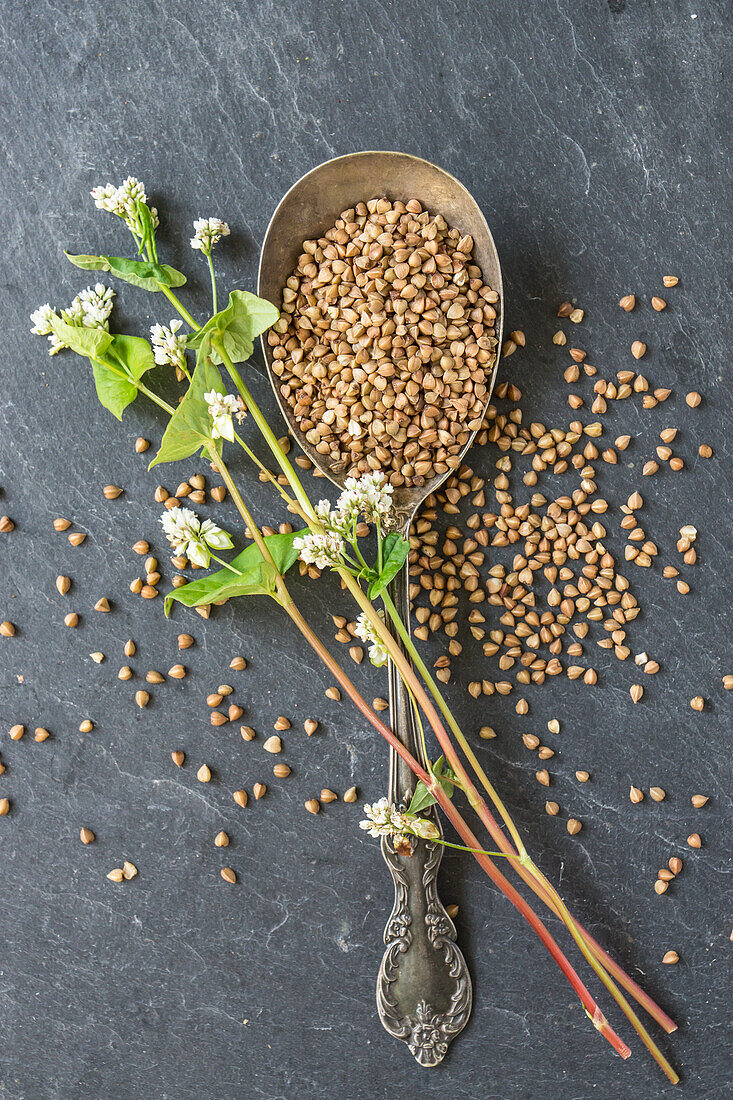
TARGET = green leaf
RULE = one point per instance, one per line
(142, 273)
(115, 393)
(190, 426)
(257, 575)
(237, 326)
(134, 352)
(225, 583)
(394, 553)
(422, 797)
(92, 342)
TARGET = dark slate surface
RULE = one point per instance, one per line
(595, 138)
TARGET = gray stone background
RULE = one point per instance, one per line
(596, 137)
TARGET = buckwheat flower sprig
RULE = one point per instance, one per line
(222, 342)
(123, 201)
(96, 305)
(89, 309)
(222, 407)
(383, 819)
(369, 496)
(207, 231)
(324, 549)
(168, 346)
(188, 535)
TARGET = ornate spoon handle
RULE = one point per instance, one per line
(424, 989)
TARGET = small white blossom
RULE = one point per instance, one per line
(207, 231)
(383, 819)
(105, 198)
(364, 630)
(370, 495)
(323, 550)
(168, 346)
(378, 818)
(333, 520)
(214, 537)
(96, 305)
(188, 535)
(41, 320)
(222, 407)
(180, 525)
(121, 201)
(131, 191)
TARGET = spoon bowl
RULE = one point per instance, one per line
(314, 203)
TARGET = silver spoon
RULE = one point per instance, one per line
(424, 992)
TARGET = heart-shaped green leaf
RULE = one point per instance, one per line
(114, 393)
(237, 326)
(142, 273)
(422, 798)
(251, 575)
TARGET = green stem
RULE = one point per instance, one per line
(292, 504)
(246, 515)
(227, 564)
(140, 386)
(213, 283)
(474, 851)
(357, 551)
(179, 306)
(154, 397)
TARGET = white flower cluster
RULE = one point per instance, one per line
(222, 407)
(188, 535)
(168, 346)
(121, 201)
(95, 304)
(383, 819)
(207, 231)
(324, 550)
(364, 630)
(90, 309)
(370, 496)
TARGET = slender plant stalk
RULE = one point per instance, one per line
(177, 304)
(214, 298)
